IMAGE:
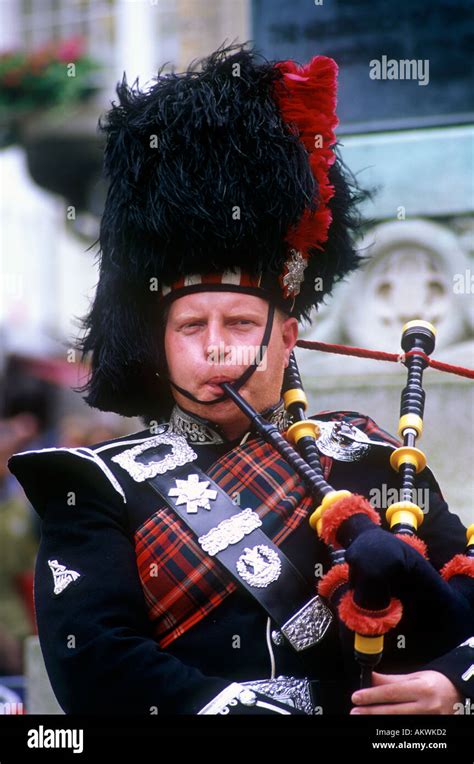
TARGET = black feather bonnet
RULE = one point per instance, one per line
(227, 167)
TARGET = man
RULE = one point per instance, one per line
(177, 571)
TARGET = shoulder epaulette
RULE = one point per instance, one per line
(36, 468)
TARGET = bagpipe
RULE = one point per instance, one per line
(375, 574)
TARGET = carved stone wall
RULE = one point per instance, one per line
(417, 267)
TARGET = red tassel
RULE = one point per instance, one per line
(415, 542)
(370, 623)
(460, 565)
(340, 511)
(335, 577)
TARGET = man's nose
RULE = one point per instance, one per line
(215, 339)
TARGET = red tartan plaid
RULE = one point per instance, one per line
(181, 583)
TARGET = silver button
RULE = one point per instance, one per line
(248, 698)
(277, 638)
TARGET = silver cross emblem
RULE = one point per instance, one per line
(192, 493)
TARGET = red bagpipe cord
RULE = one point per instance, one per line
(380, 355)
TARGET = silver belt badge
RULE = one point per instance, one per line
(193, 493)
(259, 565)
(308, 626)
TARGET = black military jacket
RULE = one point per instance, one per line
(94, 618)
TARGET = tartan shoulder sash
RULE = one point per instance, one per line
(181, 583)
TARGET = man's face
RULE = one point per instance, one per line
(210, 336)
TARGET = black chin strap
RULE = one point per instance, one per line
(248, 371)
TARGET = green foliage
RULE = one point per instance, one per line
(57, 74)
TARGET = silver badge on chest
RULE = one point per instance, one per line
(229, 531)
(192, 492)
(157, 464)
(259, 565)
(342, 441)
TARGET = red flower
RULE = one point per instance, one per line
(70, 50)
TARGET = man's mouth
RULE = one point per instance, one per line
(216, 382)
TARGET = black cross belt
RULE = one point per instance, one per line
(234, 538)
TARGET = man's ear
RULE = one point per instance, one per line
(289, 333)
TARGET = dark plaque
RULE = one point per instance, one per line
(403, 64)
